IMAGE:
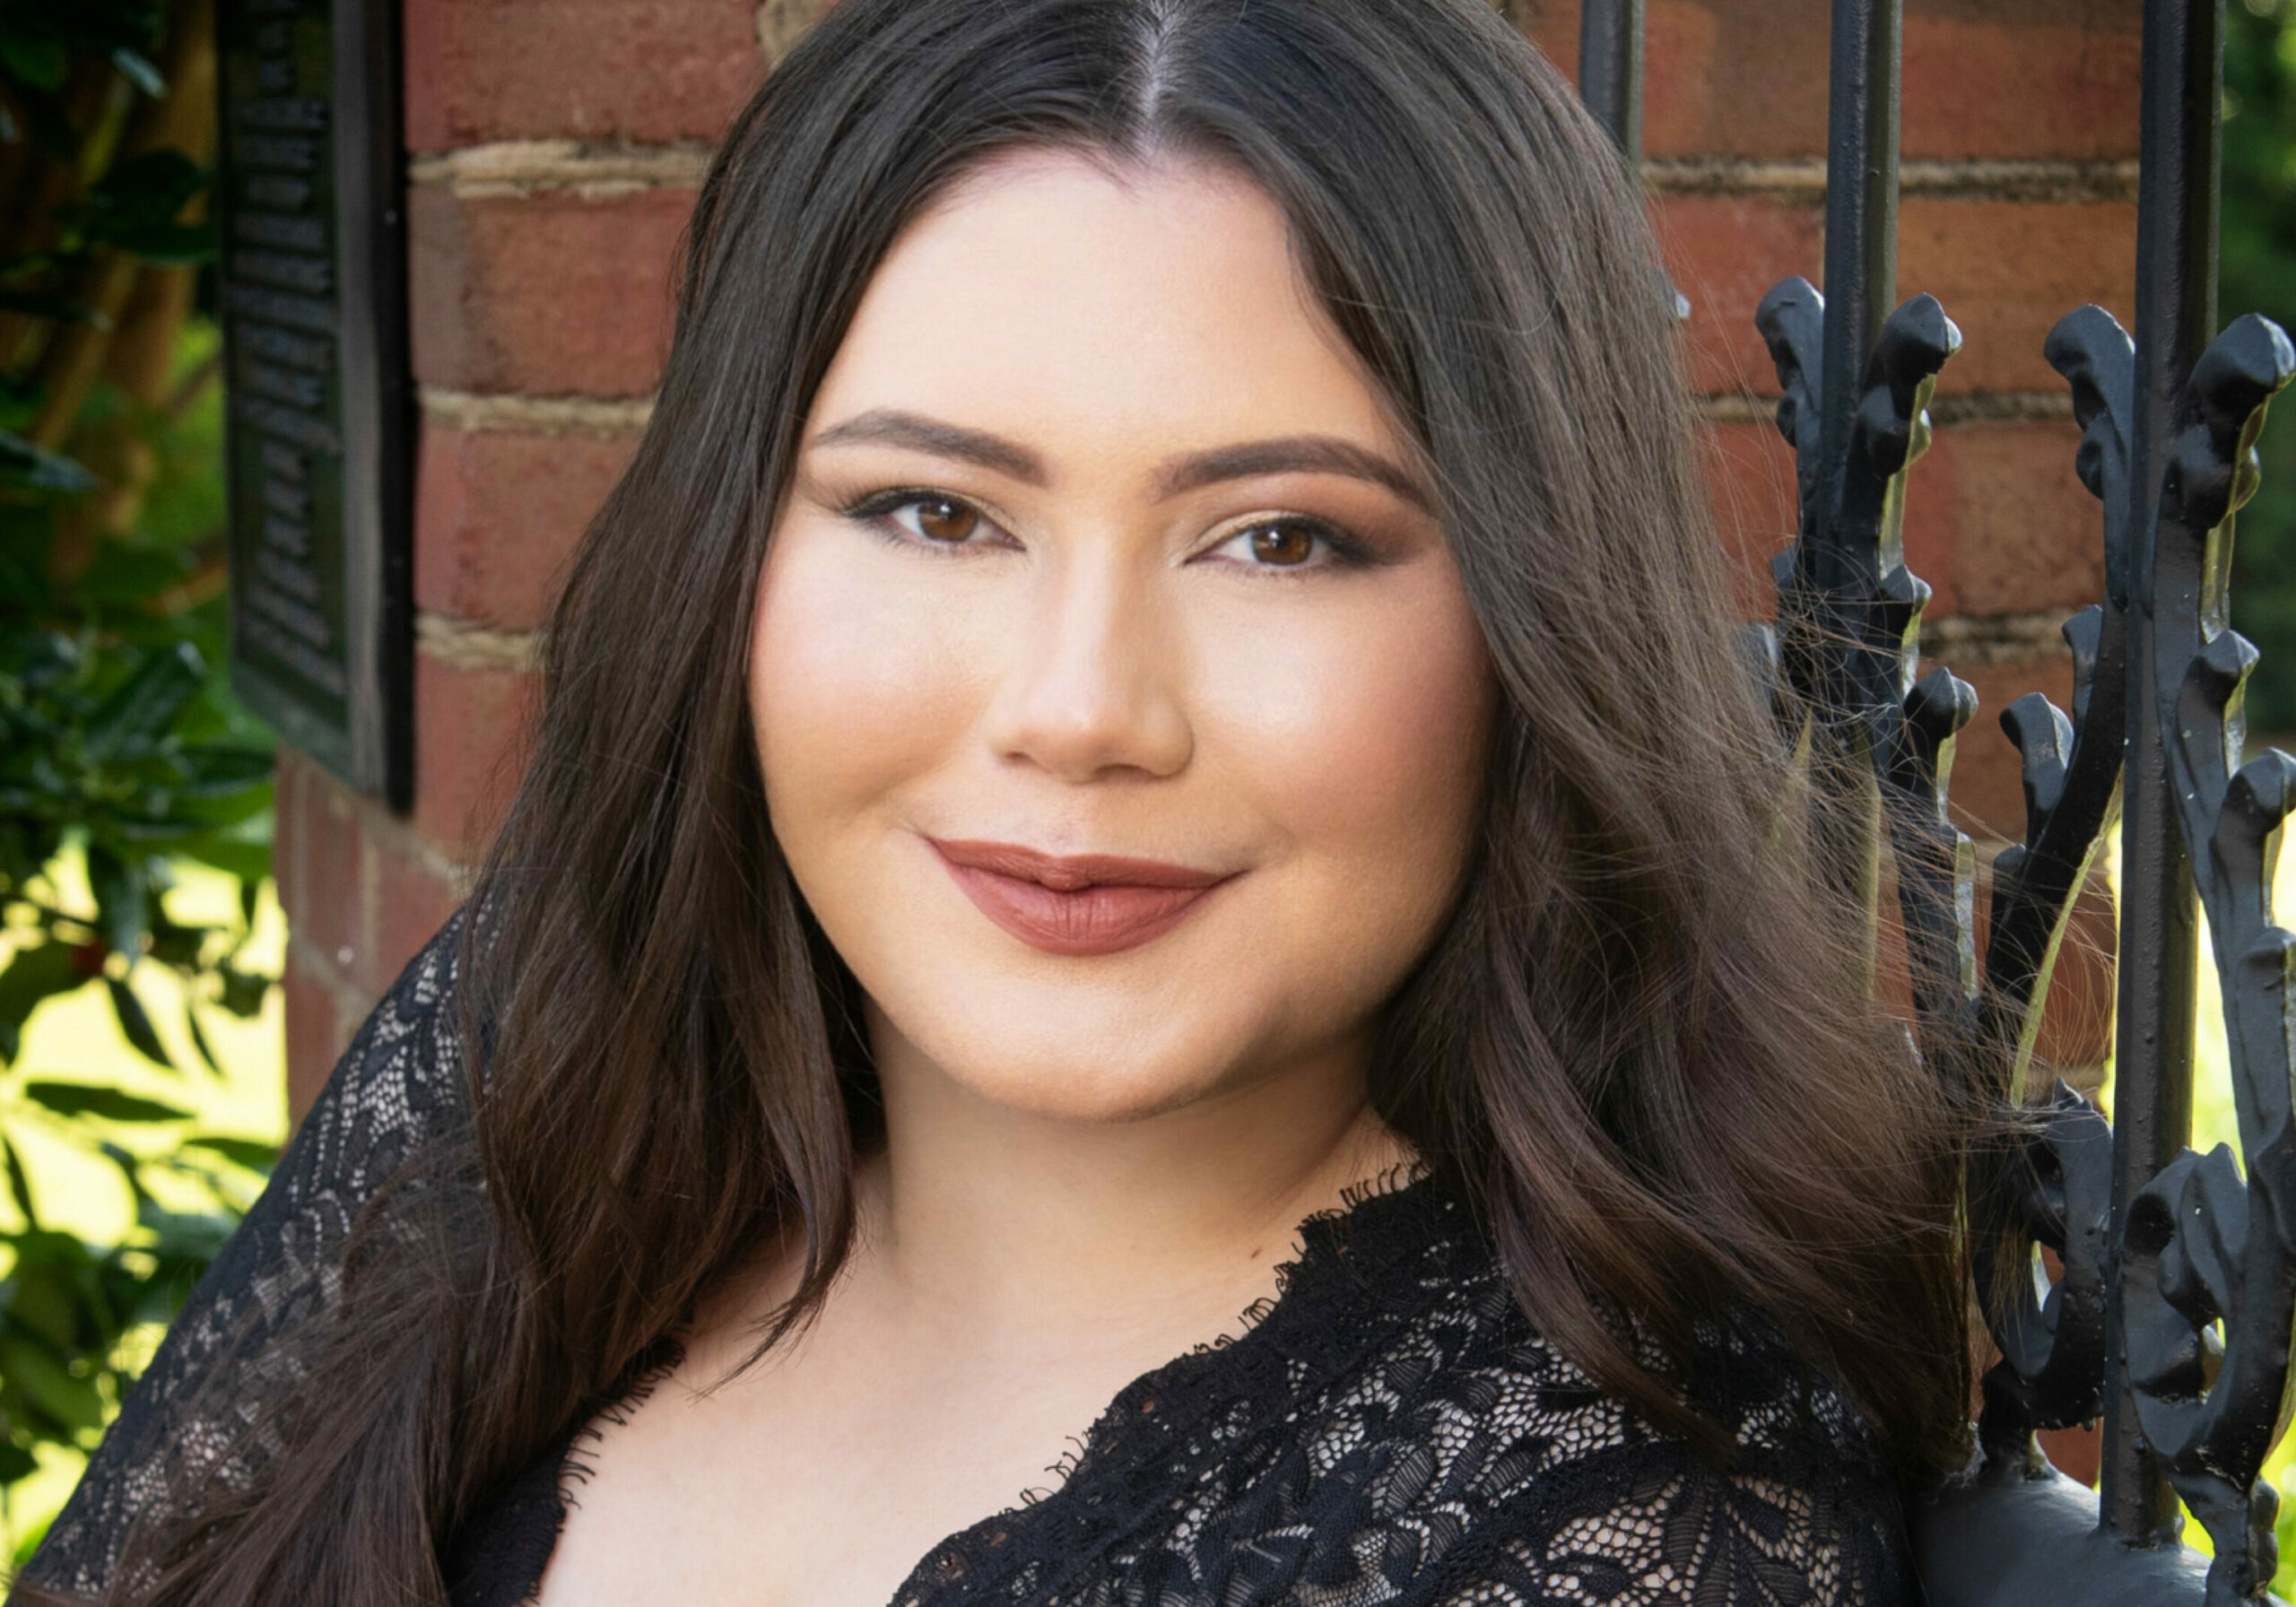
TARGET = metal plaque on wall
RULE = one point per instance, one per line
(311, 212)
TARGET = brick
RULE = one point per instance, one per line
(287, 808)
(1997, 521)
(2077, 1012)
(551, 294)
(2077, 1453)
(781, 23)
(2078, 1017)
(323, 908)
(2008, 271)
(1747, 78)
(641, 70)
(313, 1040)
(408, 900)
(2005, 272)
(1725, 252)
(1750, 488)
(1999, 82)
(499, 512)
(1929, 542)
(365, 894)
(1679, 80)
(1987, 789)
(1744, 80)
(469, 736)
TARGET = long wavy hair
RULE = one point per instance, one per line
(1630, 1050)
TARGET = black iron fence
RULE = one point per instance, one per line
(2171, 1319)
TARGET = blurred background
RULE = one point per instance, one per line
(141, 1101)
(144, 1067)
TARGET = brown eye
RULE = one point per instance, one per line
(942, 520)
(1284, 546)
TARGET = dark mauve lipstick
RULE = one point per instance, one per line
(1074, 904)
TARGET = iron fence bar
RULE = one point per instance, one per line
(1861, 247)
(2175, 1313)
(1610, 69)
(1844, 640)
(2176, 307)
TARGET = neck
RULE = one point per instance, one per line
(1014, 1214)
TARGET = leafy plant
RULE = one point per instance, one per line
(2258, 273)
(121, 748)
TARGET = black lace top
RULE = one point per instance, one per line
(1389, 1429)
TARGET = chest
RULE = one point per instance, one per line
(819, 1478)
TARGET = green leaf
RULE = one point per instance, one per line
(199, 1037)
(243, 991)
(187, 1235)
(123, 890)
(130, 1166)
(155, 184)
(136, 1023)
(108, 1104)
(48, 1384)
(249, 862)
(36, 973)
(133, 208)
(226, 772)
(159, 1297)
(34, 54)
(175, 945)
(44, 1299)
(122, 577)
(166, 245)
(17, 1464)
(35, 468)
(20, 1185)
(137, 715)
(252, 1153)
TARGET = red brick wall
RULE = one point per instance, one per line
(555, 146)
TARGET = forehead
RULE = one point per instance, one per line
(1098, 309)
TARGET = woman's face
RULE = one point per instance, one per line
(1100, 545)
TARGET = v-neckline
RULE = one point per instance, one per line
(1352, 1249)
(1355, 1242)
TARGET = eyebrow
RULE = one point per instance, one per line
(1284, 455)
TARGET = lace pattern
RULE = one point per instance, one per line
(1393, 1431)
(399, 1084)
(1389, 1430)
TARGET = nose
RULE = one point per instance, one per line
(1094, 684)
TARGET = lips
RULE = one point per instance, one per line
(1081, 904)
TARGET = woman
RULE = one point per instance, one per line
(1157, 686)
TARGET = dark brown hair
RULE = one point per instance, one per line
(1630, 1050)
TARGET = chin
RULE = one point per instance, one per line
(1080, 1075)
(1099, 1096)
(1053, 1060)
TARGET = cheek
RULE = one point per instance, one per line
(1365, 733)
(1361, 737)
(853, 683)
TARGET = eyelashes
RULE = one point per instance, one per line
(877, 512)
